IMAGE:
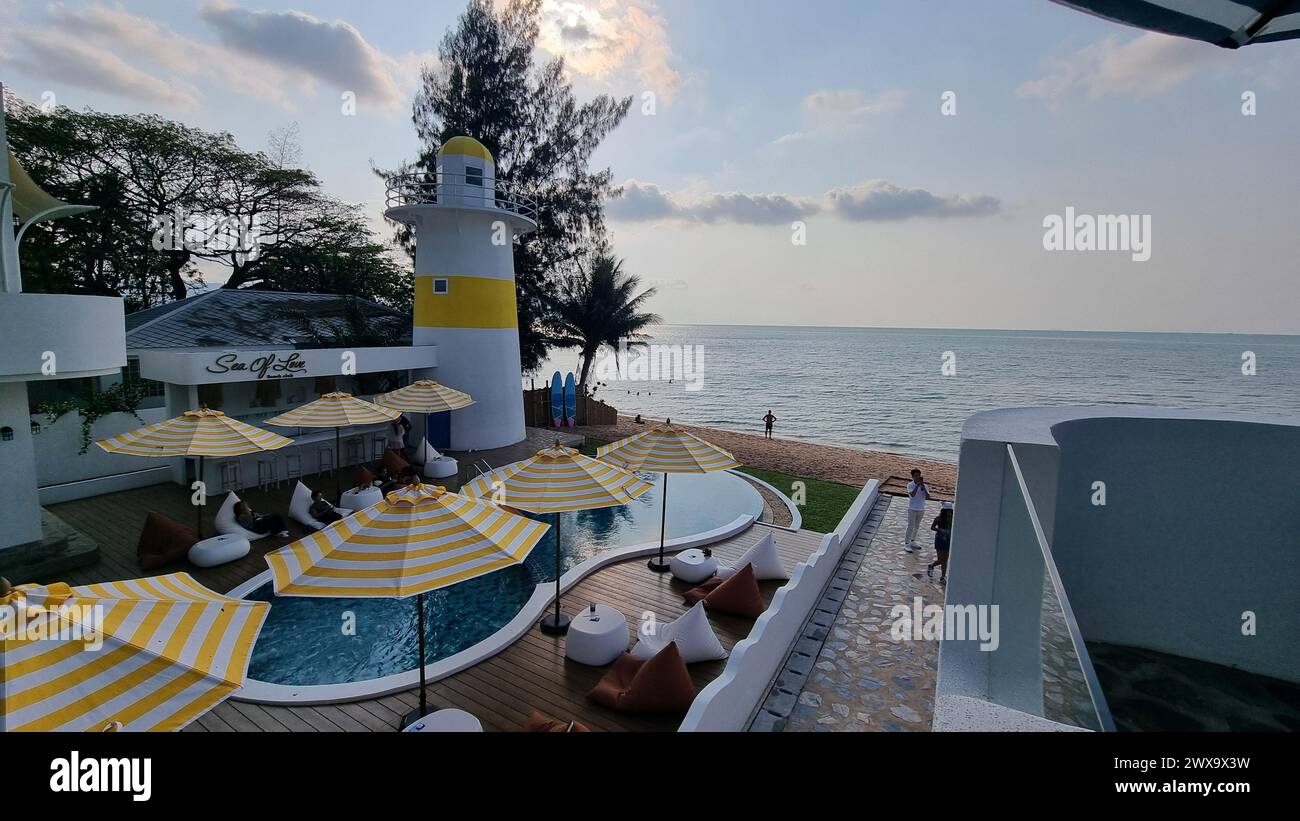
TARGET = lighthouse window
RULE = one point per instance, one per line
(439, 286)
(473, 175)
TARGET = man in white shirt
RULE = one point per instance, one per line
(917, 494)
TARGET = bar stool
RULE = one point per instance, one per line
(267, 474)
(292, 466)
(355, 452)
(325, 459)
(230, 479)
(378, 444)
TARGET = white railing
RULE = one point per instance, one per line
(457, 189)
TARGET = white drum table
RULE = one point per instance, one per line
(692, 566)
(596, 639)
(218, 550)
(441, 468)
(361, 499)
(446, 721)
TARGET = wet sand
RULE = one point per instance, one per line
(834, 464)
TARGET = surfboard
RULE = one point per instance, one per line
(557, 399)
(570, 400)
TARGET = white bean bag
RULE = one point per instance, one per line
(424, 453)
(691, 632)
(225, 520)
(300, 508)
(764, 558)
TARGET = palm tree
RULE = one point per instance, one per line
(597, 307)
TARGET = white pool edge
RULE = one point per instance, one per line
(261, 692)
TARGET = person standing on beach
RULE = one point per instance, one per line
(767, 425)
(918, 492)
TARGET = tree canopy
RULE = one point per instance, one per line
(175, 201)
(488, 85)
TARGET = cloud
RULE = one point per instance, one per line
(1148, 64)
(881, 201)
(872, 201)
(334, 52)
(611, 39)
(50, 55)
(841, 112)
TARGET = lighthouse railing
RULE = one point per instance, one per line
(457, 189)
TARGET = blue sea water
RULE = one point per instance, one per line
(883, 388)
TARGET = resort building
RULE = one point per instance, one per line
(1140, 580)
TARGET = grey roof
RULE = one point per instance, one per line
(235, 318)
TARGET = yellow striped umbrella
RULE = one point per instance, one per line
(200, 433)
(557, 479)
(420, 538)
(666, 449)
(425, 396)
(335, 410)
(145, 654)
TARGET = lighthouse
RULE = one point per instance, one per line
(464, 226)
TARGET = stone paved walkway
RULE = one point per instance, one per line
(864, 679)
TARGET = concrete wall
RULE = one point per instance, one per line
(85, 334)
(20, 512)
(1198, 527)
(63, 474)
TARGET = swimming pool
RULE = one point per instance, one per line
(310, 641)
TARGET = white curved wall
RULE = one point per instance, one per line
(1199, 527)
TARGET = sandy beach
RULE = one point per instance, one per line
(834, 464)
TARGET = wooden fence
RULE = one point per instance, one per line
(537, 410)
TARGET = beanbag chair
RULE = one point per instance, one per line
(764, 558)
(738, 595)
(538, 723)
(660, 685)
(163, 541)
(692, 634)
(365, 478)
(227, 525)
(394, 462)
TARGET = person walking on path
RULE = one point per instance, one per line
(768, 421)
(942, 527)
(918, 492)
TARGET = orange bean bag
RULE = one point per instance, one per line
(365, 478)
(738, 595)
(395, 463)
(538, 723)
(660, 685)
(163, 542)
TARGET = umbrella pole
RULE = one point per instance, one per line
(338, 455)
(659, 564)
(198, 509)
(558, 624)
(423, 710)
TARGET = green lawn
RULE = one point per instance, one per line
(824, 504)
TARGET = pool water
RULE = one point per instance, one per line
(332, 641)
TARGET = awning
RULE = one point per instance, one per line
(30, 203)
(1226, 23)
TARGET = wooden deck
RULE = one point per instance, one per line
(501, 691)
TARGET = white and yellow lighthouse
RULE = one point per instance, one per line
(464, 229)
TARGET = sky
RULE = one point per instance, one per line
(830, 162)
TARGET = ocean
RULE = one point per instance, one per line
(886, 388)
